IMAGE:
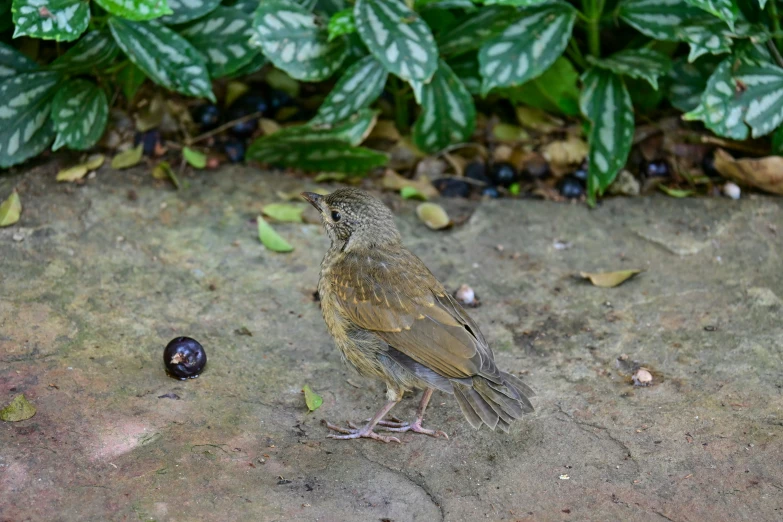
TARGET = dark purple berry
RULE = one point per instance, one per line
(245, 106)
(150, 139)
(234, 150)
(477, 170)
(452, 187)
(278, 99)
(184, 358)
(656, 169)
(580, 174)
(571, 187)
(490, 192)
(708, 165)
(503, 174)
(206, 116)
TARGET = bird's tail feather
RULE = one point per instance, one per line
(493, 404)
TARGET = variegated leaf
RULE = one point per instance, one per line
(643, 63)
(398, 38)
(320, 155)
(25, 128)
(475, 30)
(136, 10)
(61, 20)
(94, 51)
(12, 62)
(527, 47)
(223, 38)
(359, 86)
(329, 7)
(467, 70)
(353, 130)
(246, 6)
(515, 3)
(556, 90)
(687, 81)
(164, 56)
(255, 65)
(188, 10)
(742, 93)
(447, 112)
(341, 23)
(80, 111)
(606, 103)
(726, 10)
(297, 41)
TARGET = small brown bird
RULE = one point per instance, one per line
(392, 320)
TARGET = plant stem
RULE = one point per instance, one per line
(773, 14)
(576, 55)
(593, 10)
(400, 105)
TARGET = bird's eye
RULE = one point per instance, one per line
(335, 216)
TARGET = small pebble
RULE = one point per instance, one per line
(465, 295)
(642, 377)
(732, 190)
(18, 236)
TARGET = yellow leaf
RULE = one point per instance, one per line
(95, 161)
(18, 409)
(128, 158)
(393, 181)
(433, 216)
(74, 173)
(10, 210)
(609, 279)
(537, 119)
(312, 399)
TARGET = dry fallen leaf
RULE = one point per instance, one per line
(570, 151)
(393, 181)
(433, 216)
(506, 132)
(609, 279)
(537, 119)
(764, 173)
(18, 409)
(385, 130)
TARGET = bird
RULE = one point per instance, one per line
(392, 320)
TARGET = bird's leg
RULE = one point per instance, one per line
(367, 432)
(416, 425)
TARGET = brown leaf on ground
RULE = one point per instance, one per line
(570, 151)
(764, 173)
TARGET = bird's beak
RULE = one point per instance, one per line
(314, 199)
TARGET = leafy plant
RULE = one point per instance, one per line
(716, 60)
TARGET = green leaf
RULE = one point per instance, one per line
(61, 20)
(80, 111)
(284, 212)
(447, 112)
(223, 37)
(128, 158)
(606, 103)
(475, 30)
(25, 128)
(320, 155)
(93, 52)
(312, 399)
(409, 192)
(353, 130)
(527, 47)
(726, 10)
(187, 10)
(18, 409)
(164, 171)
(467, 70)
(742, 93)
(675, 192)
(270, 238)
(678, 21)
(164, 56)
(297, 41)
(398, 38)
(515, 3)
(556, 90)
(12, 62)
(358, 87)
(341, 23)
(195, 158)
(10, 210)
(130, 78)
(687, 81)
(645, 64)
(136, 10)
(256, 64)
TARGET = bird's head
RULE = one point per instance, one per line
(353, 218)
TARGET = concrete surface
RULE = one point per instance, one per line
(105, 274)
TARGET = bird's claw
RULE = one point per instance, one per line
(416, 428)
(355, 432)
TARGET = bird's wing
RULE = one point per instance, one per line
(396, 297)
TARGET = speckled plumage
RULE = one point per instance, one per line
(394, 321)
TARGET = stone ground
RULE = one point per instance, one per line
(109, 272)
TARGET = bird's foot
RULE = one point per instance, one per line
(355, 432)
(414, 427)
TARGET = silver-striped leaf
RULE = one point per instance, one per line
(515, 3)
(352, 130)
(255, 65)
(447, 112)
(606, 103)
(527, 47)
(184, 11)
(25, 127)
(80, 111)
(297, 41)
(358, 87)
(61, 20)
(726, 10)
(319, 155)
(136, 10)
(12, 62)
(743, 97)
(223, 37)
(398, 38)
(164, 56)
(467, 70)
(475, 30)
(645, 64)
(687, 81)
(94, 51)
